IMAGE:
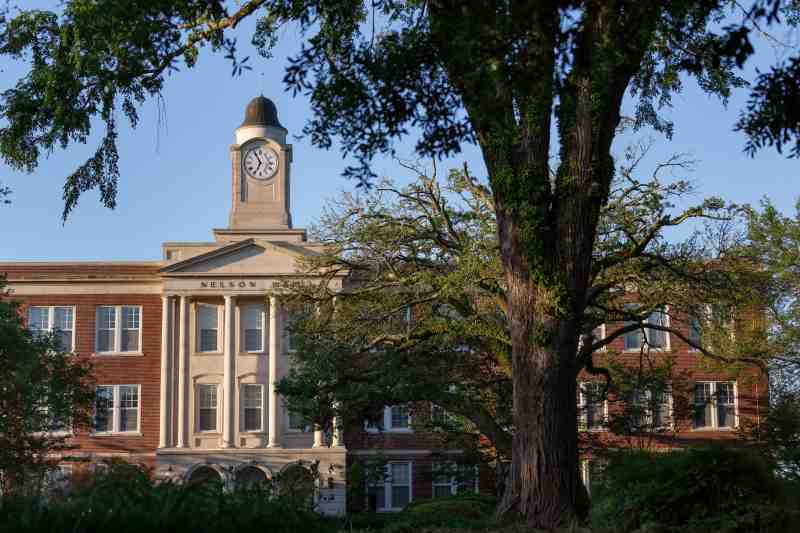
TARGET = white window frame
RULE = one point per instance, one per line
(243, 407)
(197, 331)
(584, 415)
(386, 425)
(51, 315)
(387, 486)
(715, 417)
(116, 409)
(218, 414)
(648, 394)
(264, 328)
(645, 333)
(117, 331)
(290, 429)
(708, 311)
(452, 482)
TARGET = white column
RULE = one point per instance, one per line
(165, 405)
(273, 441)
(229, 374)
(317, 437)
(337, 438)
(183, 369)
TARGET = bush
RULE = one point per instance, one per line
(467, 511)
(126, 501)
(713, 488)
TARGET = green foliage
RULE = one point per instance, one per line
(127, 501)
(466, 511)
(715, 488)
(777, 434)
(372, 70)
(43, 391)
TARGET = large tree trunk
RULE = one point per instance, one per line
(543, 485)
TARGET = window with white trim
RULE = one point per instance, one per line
(292, 314)
(656, 339)
(395, 418)
(59, 320)
(450, 479)
(118, 329)
(254, 334)
(714, 405)
(393, 492)
(117, 409)
(207, 402)
(296, 422)
(252, 407)
(651, 408)
(592, 406)
(399, 418)
(208, 328)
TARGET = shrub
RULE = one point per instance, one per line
(468, 511)
(126, 501)
(701, 489)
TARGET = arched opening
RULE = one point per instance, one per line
(205, 475)
(251, 477)
(296, 484)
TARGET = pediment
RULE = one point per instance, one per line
(250, 257)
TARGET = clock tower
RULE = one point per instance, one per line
(261, 162)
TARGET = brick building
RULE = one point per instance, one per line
(186, 349)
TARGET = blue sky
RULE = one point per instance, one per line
(175, 166)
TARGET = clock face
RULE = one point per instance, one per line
(261, 162)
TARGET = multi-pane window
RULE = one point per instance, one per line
(592, 405)
(252, 317)
(450, 479)
(399, 417)
(119, 329)
(592, 474)
(656, 338)
(292, 314)
(651, 408)
(714, 405)
(207, 407)
(207, 328)
(393, 492)
(395, 418)
(252, 401)
(59, 320)
(695, 332)
(296, 422)
(116, 409)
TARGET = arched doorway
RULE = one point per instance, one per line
(251, 477)
(296, 484)
(205, 475)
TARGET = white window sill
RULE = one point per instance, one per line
(209, 433)
(253, 353)
(207, 353)
(252, 432)
(399, 430)
(117, 434)
(298, 431)
(118, 354)
(715, 429)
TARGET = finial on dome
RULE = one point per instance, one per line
(261, 111)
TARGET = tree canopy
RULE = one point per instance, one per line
(45, 392)
(424, 316)
(523, 80)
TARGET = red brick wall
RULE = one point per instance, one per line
(143, 370)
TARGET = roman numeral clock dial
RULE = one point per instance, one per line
(261, 162)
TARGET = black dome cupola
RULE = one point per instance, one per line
(261, 111)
